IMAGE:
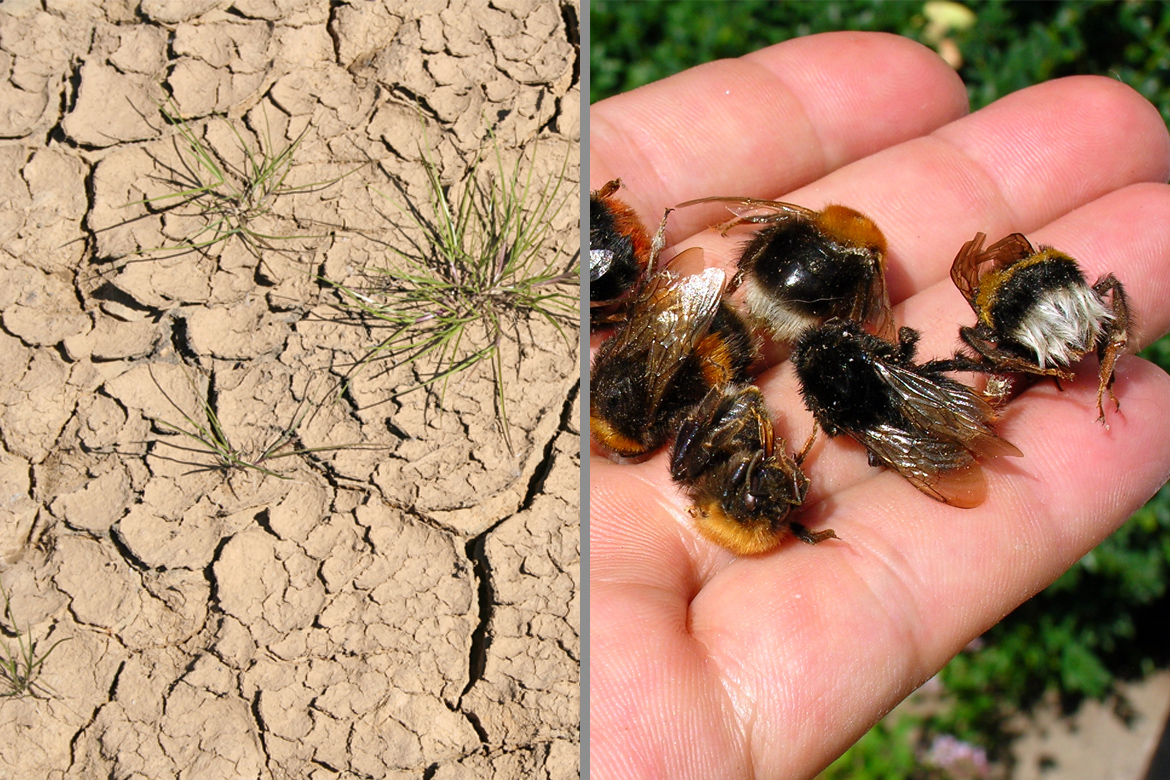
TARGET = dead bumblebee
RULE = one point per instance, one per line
(743, 486)
(805, 267)
(622, 255)
(680, 340)
(911, 418)
(1036, 313)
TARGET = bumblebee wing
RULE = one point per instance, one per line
(607, 189)
(943, 470)
(1008, 250)
(965, 268)
(945, 409)
(873, 305)
(755, 209)
(674, 322)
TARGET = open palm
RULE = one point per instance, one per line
(705, 665)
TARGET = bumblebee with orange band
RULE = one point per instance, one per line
(622, 255)
(803, 267)
(680, 341)
(743, 486)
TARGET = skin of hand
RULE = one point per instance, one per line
(705, 665)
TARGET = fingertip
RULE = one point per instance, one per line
(1125, 112)
(1126, 233)
(883, 71)
(1082, 468)
(1099, 134)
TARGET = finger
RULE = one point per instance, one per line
(1009, 167)
(656, 709)
(634, 525)
(650, 675)
(920, 579)
(768, 122)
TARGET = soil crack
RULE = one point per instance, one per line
(544, 468)
(480, 641)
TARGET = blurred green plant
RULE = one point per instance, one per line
(886, 751)
(1103, 621)
(1010, 45)
(487, 265)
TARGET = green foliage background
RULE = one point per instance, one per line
(1105, 619)
(1011, 45)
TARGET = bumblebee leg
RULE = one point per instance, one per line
(749, 219)
(809, 537)
(618, 310)
(800, 456)
(766, 433)
(616, 315)
(735, 282)
(702, 432)
(907, 344)
(723, 227)
(749, 469)
(1002, 361)
(657, 243)
(1115, 341)
(741, 473)
(960, 362)
(998, 389)
(1105, 382)
(688, 459)
(721, 437)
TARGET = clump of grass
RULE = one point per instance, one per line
(206, 436)
(484, 267)
(229, 201)
(20, 668)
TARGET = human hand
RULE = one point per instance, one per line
(705, 665)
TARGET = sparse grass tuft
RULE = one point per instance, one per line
(486, 266)
(207, 436)
(228, 201)
(20, 668)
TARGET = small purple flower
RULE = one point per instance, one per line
(959, 759)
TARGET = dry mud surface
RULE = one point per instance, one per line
(409, 609)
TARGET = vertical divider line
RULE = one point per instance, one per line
(584, 395)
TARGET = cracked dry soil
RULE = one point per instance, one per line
(404, 610)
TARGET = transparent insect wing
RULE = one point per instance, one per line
(945, 409)
(943, 469)
(678, 326)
